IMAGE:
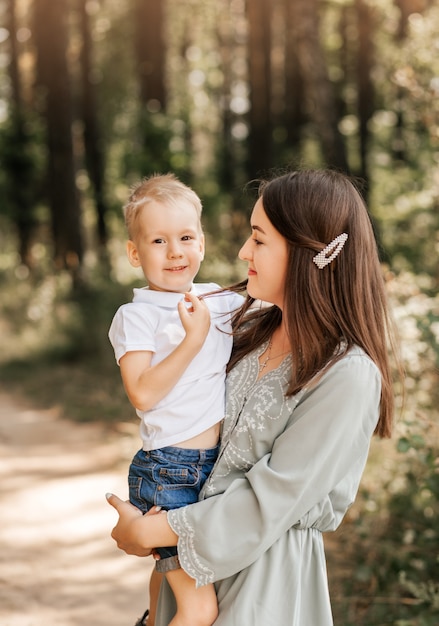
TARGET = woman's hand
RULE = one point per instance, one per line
(140, 534)
(129, 529)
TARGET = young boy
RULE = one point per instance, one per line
(172, 348)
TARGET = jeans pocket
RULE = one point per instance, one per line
(181, 477)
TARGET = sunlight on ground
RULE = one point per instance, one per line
(58, 562)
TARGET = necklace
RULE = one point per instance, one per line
(263, 365)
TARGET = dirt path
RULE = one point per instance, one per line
(58, 564)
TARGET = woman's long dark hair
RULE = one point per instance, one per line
(331, 309)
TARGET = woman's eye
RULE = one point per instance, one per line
(256, 241)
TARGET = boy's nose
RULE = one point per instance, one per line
(175, 252)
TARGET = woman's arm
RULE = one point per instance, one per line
(325, 442)
(315, 463)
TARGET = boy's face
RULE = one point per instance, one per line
(168, 246)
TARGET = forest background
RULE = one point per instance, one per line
(95, 94)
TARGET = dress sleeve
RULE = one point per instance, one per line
(326, 436)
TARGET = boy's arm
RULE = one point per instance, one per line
(146, 385)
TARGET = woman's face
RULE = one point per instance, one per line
(266, 252)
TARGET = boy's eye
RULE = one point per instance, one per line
(186, 238)
(158, 241)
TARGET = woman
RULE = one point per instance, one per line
(309, 383)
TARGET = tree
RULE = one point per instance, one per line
(365, 88)
(259, 78)
(16, 156)
(226, 156)
(149, 21)
(294, 104)
(93, 141)
(318, 89)
(150, 60)
(406, 8)
(50, 29)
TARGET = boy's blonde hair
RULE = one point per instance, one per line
(163, 188)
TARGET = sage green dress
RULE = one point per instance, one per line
(288, 470)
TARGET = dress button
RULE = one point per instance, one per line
(160, 488)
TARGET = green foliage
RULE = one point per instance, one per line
(393, 547)
(56, 349)
(413, 491)
(418, 560)
(405, 149)
(403, 561)
(54, 338)
(151, 152)
(21, 161)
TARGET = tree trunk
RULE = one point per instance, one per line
(259, 51)
(226, 165)
(13, 64)
(51, 40)
(365, 88)
(317, 86)
(17, 162)
(406, 8)
(150, 52)
(294, 109)
(94, 154)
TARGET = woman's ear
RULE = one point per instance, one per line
(133, 255)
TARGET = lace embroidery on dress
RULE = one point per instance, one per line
(253, 406)
(193, 566)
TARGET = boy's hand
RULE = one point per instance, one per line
(195, 318)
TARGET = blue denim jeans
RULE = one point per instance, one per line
(170, 478)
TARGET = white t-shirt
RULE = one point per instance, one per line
(151, 322)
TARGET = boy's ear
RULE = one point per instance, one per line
(133, 255)
(202, 246)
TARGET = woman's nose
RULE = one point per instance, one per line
(244, 253)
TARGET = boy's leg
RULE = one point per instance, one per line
(195, 607)
(141, 492)
(154, 588)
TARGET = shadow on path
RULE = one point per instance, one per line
(58, 564)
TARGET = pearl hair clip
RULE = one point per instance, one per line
(328, 254)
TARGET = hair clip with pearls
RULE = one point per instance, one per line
(332, 250)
